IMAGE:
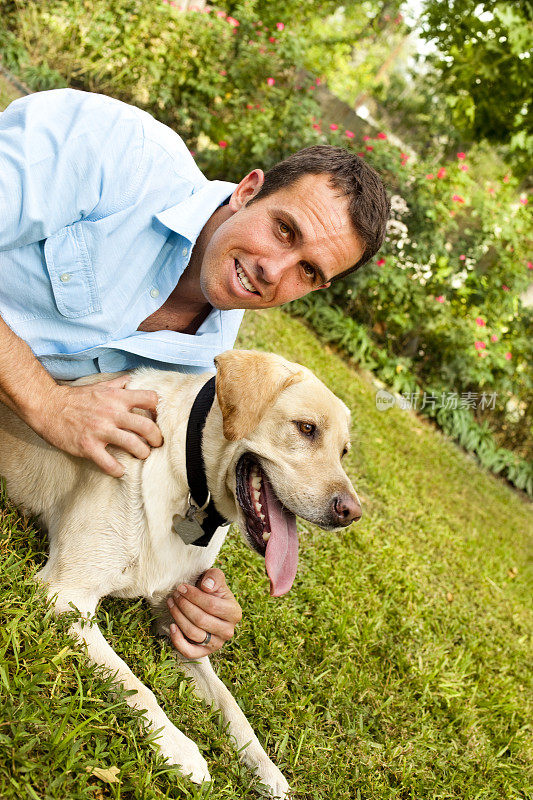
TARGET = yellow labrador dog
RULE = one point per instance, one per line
(271, 445)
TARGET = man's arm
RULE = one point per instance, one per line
(81, 420)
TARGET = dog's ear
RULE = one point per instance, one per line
(247, 383)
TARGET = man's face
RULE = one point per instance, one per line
(278, 248)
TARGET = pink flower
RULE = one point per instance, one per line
(505, 288)
(349, 134)
(222, 143)
(462, 258)
(508, 356)
(464, 167)
(271, 81)
(494, 338)
(405, 156)
(221, 14)
(272, 39)
(223, 72)
(457, 198)
(530, 265)
(280, 26)
(506, 178)
(441, 173)
(318, 81)
(480, 345)
(333, 127)
(366, 138)
(233, 22)
(490, 190)
(380, 263)
(430, 176)
(381, 136)
(523, 200)
(481, 322)
(461, 156)
(316, 127)
(440, 298)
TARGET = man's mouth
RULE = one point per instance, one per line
(270, 528)
(243, 280)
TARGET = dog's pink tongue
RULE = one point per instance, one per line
(281, 558)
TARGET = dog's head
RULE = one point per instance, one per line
(289, 433)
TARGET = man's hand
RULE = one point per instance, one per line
(82, 420)
(208, 607)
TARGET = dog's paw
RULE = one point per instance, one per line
(178, 749)
(273, 780)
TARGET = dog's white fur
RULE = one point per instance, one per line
(114, 537)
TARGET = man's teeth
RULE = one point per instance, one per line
(245, 283)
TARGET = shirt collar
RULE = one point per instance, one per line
(190, 215)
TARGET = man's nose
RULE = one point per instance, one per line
(345, 509)
(271, 269)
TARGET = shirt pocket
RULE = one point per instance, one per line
(71, 272)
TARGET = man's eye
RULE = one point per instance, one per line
(284, 230)
(309, 271)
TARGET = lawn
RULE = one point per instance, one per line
(399, 665)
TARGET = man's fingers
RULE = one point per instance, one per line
(141, 398)
(106, 462)
(198, 621)
(213, 580)
(189, 650)
(228, 610)
(129, 442)
(143, 427)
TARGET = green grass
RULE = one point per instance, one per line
(399, 666)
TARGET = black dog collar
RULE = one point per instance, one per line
(201, 506)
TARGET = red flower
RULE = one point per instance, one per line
(280, 26)
(333, 127)
(381, 136)
(462, 258)
(369, 147)
(490, 190)
(530, 265)
(440, 298)
(222, 143)
(223, 72)
(506, 178)
(316, 127)
(349, 134)
(361, 155)
(464, 167)
(457, 198)
(461, 156)
(272, 39)
(480, 345)
(481, 322)
(441, 173)
(505, 288)
(405, 156)
(494, 338)
(430, 176)
(366, 138)
(508, 356)
(271, 81)
(380, 263)
(249, 105)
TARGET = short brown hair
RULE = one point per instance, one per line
(369, 206)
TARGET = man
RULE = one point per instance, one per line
(116, 251)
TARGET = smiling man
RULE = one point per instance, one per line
(115, 251)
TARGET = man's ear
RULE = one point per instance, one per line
(247, 383)
(247, 188)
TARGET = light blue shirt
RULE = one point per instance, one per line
(100, 207)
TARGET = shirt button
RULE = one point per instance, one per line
(185, 251)
(65, 277)
(154, 292)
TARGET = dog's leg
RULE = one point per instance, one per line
(175, 746)
(209, 687)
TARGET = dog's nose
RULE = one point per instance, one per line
(345, 509)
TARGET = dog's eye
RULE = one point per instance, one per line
(344, 452)
(307, 428)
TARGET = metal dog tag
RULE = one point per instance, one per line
(189, 527)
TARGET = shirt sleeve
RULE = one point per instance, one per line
(65, 155)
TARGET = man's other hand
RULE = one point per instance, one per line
(82, 420)
(208, 607)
